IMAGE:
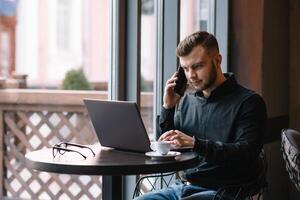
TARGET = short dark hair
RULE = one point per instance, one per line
(203, 38)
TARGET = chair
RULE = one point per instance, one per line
(253, 189)
(241, 191)
(290, 148)
(244, 191)
(154, 181)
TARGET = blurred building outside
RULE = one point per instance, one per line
(50, 37)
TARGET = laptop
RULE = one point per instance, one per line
(118, 124)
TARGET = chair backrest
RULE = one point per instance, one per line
(241, 191)
(260, 184)
(290, 148)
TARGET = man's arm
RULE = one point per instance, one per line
(166, 120)
(249, 131)
(170, 99)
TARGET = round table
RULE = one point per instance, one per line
(110, 163)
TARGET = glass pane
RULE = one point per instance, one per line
(148, 46)
(58, 36)
(4, 52)
(194, 16)
(50, 39)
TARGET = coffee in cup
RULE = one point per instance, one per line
(161, 147)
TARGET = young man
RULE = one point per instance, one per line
(221, 120)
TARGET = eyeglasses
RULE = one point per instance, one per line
(62, 148)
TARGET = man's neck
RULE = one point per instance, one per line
(220, 79)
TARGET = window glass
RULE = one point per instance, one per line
(55, 40)
(195, 16)
(56, 36)
(4, 52)
(148, 47)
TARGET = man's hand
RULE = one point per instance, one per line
(177, 138)
(170, 97)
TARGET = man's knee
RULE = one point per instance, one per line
(155, 195)
(170, 193)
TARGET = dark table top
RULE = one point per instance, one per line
(107, 162)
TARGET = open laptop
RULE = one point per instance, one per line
(118, 124)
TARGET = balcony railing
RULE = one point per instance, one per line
(34, 119)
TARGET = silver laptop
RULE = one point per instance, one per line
(118, 124)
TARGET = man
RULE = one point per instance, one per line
(221, 120)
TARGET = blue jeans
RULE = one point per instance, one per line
(181, 191)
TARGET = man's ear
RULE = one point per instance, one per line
(218, 60)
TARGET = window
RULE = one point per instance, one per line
(64, 9)
(55, 36)
(206, 15)
(4, 52)
(196, 15)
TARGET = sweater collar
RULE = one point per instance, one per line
(226, 87)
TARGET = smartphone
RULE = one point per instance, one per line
(180, 82)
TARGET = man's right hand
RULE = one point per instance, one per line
(170, 97)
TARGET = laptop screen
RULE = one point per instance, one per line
(118, 124)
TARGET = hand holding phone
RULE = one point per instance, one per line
(181, 82)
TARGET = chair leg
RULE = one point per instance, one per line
(237, 194)
(219, 194)
(256, 197)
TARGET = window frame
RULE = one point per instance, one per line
(221, 29)
(167, 40)
(125, 48)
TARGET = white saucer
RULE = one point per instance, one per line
(155, 155)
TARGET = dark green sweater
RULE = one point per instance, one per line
(228, 126)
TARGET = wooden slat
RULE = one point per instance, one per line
(13, 129)
(48, 97)
(38, 108)
(24, 184)
(59, 97)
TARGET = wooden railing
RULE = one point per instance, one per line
(34, 119)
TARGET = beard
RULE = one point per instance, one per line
(205, 84)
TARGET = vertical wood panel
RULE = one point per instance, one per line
(295, 64)
(294, 84)
(275, 66)
(259, 56)
(245, 54)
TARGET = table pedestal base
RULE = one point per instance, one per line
(111, 187)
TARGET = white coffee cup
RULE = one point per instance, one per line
(161, 147)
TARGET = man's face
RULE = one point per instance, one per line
(199, 68)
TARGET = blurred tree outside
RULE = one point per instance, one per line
(146, 86)
(75, 79)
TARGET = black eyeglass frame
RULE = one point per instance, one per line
(62, 150)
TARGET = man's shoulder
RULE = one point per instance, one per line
(247, 93)
(250, 97)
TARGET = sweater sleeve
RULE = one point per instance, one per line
(166, 120)
(248, 132)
